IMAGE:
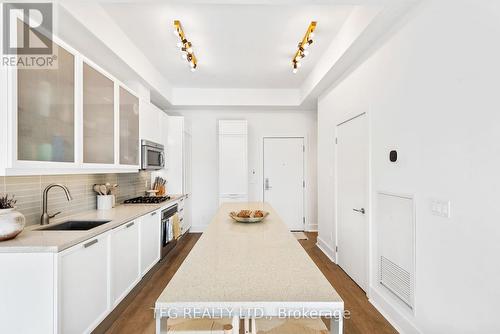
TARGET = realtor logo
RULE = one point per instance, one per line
(27, 28)
(27, 36)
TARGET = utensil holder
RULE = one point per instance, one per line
(104, 202)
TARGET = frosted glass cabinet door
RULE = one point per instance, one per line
(129, 128)
(98, 117)
(46, 111)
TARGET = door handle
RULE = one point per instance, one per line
(362, 210)
(266, 184)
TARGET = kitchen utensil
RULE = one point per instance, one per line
(97, 189)
(103, 189)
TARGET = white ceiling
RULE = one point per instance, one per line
(237, 46)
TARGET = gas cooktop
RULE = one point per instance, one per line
(147, 200)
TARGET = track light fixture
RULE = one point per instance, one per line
(302, 51)
(185, 46)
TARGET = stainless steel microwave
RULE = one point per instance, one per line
(153, 155)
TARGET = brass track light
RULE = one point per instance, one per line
(302, 51)
(185, 46)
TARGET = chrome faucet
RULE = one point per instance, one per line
(45, 219)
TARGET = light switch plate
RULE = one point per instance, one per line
(440, 208)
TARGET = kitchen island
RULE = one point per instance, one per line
(248, 271)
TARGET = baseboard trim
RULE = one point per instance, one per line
(197, 229)
(311, 228)
(399, 321)
(326, 249)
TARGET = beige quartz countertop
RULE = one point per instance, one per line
(32, 240)
(235, 264)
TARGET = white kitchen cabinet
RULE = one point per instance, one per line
(233, 161)
(83, 286)
(179, 160)
(150, 225)
(186, 216)
(49, 125)
(150, 122)
(124, 260)
(74, 290)
(129, 128)
(164, 119)
(179, 156)
(98, 117)
(27, 281)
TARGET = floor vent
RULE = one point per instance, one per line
(396, 279)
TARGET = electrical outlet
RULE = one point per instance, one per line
(440, 208)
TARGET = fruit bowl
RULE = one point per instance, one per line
(249, 216)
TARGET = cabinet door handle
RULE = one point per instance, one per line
(130, 225)
(153, 213)
(90, 243)
(182, 199)
(181, 210)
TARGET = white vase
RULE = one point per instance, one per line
(11, 223)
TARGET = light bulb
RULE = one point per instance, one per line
(298, 64)
(294, 71)
(193, 69)
(184, 56)
(179, 45)
(176, 32)
(306, 53)
(305, 46)
(311, 35)
(190, 50)
(192, 64)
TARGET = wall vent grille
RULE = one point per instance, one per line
(396, 279)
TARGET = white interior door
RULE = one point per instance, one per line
(284, 179)
(352, 167)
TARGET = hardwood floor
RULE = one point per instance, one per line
(364, 318)
(137, 316)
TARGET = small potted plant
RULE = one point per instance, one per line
(11, 221)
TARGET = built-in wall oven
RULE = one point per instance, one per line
(152, 155)
(167, 241)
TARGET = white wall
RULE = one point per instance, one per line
(432, 92)
(260, 124)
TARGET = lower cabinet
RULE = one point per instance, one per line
(150, 225)
(83, 286)
(124, 257)
(71, 292)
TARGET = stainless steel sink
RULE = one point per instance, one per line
(75, 225)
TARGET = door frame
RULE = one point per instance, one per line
(368, 191)
(304, 172)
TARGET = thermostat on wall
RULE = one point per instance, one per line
(393, 156)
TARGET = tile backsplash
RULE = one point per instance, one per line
(28, 191)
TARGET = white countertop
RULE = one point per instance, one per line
(248, 265)
(33, 241)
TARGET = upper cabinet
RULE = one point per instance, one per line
(98, 117)
(179, 156)
(129, 128)
(46, 111)
(74, 118)
(151, 122)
